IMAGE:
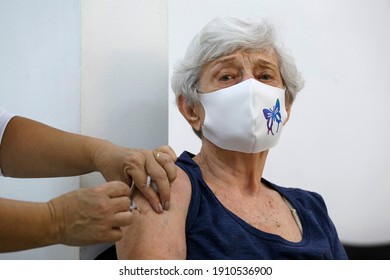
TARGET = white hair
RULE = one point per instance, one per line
(223, 36)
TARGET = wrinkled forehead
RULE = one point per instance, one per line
(261, 57)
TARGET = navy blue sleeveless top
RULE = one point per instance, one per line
(214, 232)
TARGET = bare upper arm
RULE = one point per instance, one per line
(158, 236)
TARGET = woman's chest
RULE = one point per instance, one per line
(270, 215)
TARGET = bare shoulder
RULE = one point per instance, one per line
(158, 236)
(181, 191)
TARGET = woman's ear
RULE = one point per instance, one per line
(191, 113)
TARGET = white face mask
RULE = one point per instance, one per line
(247, 117)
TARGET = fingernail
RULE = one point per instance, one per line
(159, 208)
(166, 205)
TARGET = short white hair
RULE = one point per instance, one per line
(223, 36)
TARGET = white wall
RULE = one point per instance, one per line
(124, 76)
(336, 142)
(40, 79)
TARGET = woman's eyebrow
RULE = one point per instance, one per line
(230, 60)
(263, 62)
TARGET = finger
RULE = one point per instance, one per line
(167, 163)
(117, 189)
(136, 170)
(115, 234)
(120, 204)
(160, 177)
(168, 150)
(140, 180)
(122, 219)
(166, 160)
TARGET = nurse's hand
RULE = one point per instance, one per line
(133, 166)
(91, 215)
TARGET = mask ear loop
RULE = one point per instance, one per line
(194, 103)
(286, 93)
(286, 99)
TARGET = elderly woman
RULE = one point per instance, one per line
(235, 87)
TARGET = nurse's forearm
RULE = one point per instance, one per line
(30, 149)
(26, 225)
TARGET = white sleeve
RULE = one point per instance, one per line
(5, 117)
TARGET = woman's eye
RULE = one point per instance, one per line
(265, 77)
(226, 78)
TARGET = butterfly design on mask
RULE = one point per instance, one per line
(273, 115)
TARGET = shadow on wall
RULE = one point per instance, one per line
(368, 252)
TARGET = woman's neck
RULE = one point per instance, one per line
(229, 168)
